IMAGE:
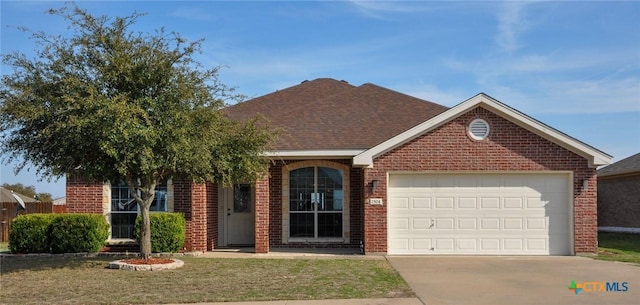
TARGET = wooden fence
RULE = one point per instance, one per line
(8, 213)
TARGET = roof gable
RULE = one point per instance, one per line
(595, 156)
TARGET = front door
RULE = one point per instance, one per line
(238, 217)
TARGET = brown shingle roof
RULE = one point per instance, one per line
(625, 166)
(330, 114)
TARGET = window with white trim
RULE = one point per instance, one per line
(124, 208)
(316, 202)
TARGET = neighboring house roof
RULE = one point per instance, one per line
(7, 196)
(60, 201)
(625, 166)
(330, 118)
(326, 114)
(595, 156)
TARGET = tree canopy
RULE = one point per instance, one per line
(118, 104)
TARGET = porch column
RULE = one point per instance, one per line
(191, 200)
(375, 216)
(262, 215)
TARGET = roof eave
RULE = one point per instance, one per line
(316, 154)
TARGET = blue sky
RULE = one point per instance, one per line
(572, 65)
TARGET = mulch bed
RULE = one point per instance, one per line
(150, 261)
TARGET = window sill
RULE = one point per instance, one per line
(121, 241)
(317, 240)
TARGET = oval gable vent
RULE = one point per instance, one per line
(479, 129)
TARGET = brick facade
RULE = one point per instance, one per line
(84, 196)
(262, 223)
(191, 200)
(619, 201)
(509, 147)
(448, 148)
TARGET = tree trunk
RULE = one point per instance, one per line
(144, 200)
(145, 230)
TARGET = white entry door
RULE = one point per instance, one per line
(486, 214)
(238, 215)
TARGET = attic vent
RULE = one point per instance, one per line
(478, 129)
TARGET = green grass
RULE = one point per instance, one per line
(67, 280)
(619, 247)
(4, 247)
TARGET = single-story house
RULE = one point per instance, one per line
(371, 168)
(619, 195)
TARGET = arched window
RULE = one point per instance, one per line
(317, 202)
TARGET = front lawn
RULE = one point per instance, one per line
(622, 247)
(67, 280)
(4, 247)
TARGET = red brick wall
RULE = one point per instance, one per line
(619, 201)
(212, 215)
(191, 200)
(262, 215)
(508, 148)
(83, 196)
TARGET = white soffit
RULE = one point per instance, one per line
(595, 156)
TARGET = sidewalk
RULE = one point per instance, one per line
(394, 301)
(291, 253)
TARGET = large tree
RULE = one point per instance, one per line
(123, 105)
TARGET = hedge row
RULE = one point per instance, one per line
(58, 233)
(73, 233)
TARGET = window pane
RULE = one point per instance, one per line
(301, 225)
(329, 224)
(160, 199)
(242, 198)
(124, 208)
(329, 189)
(122, 225)
(300, 189)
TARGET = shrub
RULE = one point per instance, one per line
(71, 233)
(168, 231)
(30, 233)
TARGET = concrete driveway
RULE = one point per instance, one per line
(517, 280)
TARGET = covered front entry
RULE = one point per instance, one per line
(236, 216)
(486, 214)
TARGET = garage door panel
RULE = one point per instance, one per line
(420, 202)
(479, 214)
(489, 223)
(490, 203)
(421, 223)
(467, 203)
(398, 203)
(467, 223)
(444, 223)
(536, 223)
(444, 202)
(513, 223)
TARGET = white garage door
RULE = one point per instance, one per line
(476, 214)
